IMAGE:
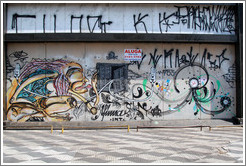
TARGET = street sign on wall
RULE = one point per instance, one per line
(132, 54)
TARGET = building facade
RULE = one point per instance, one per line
(122, 62)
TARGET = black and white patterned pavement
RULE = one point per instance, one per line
(220, 145)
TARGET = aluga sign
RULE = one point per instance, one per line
(132, 54)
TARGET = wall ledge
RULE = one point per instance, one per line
(118, 37)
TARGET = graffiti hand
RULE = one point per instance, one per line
(94, 86)
(94, 79)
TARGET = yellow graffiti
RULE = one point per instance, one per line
(68, 80)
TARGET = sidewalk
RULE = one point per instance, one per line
(190, 145)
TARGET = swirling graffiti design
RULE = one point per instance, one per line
(199, 92)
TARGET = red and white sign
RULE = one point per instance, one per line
(132, 54)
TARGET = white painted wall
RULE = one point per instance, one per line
(221, 19)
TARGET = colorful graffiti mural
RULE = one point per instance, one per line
(47, 90)
(154, 88)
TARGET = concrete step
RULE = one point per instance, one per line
(122, 124)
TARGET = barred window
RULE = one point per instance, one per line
(110, 71)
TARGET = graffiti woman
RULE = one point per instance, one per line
(47, 90)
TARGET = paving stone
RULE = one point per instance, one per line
(137, 160)
(12, 160)
(119, 146)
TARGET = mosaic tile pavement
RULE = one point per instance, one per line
(220, 145)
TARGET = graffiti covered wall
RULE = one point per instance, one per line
(121, 18)
(93, 82)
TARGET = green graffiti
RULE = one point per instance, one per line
(144, 84)
(219, 85)
(203, 98)
(217, 82)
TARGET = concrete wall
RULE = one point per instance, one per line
(46, 82)
(121, 18)
(93, 82)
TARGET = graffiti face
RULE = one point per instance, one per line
(77, 80)
(44, 91)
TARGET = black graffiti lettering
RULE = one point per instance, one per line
(216, 18)
(166, 55)
(192, 57)
(221, 57)
(44, 16)
(230, 77)
(168, 72)
(188, 59)
(203, 61)
(224, 18)
(203, 19)
(212, 23)
(97, 21)
(163, 20)
(54, 23)
(80, 22)
(104, 108)
(117, 119)
(154, 58)
(185, 18)
(195, 17)
(113, 113)
(104, 111)
(144, 107)
(183, 59)
(139, 94)
(133, 112)
(206, 18)
(209, 55)
(213, 65)
(139, 20)
(138, 63)
(15, 20)
(177, 60)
